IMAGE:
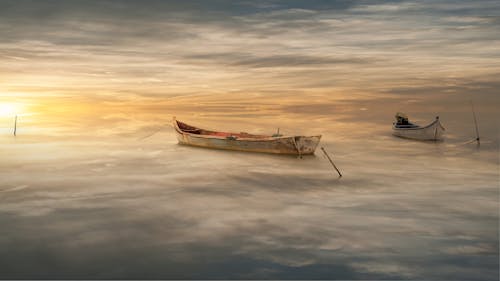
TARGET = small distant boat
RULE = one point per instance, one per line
(279, 144)
(405, 129)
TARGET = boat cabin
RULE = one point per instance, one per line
(402, 121)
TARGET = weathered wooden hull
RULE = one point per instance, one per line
(294, 145)
(433, 132)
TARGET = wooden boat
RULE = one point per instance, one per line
(405, 129)
(279, 144)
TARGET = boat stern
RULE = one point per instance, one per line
(306, 145)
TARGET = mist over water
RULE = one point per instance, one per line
(112, 195)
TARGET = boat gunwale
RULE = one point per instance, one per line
(416, 128)
(266, 139)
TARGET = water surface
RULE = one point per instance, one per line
(112, 195)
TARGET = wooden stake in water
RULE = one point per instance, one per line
(475, 123)
(330, 159)
(15, 126)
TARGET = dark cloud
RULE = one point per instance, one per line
(253, 61)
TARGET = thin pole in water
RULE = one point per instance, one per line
(15, 126)
(475, 123)
(330, 159)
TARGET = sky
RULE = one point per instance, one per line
(137, 50)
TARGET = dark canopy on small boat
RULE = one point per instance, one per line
(401, 118)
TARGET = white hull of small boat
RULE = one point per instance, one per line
(432, 132)
(296, 145)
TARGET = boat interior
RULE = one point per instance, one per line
(194, 130)
(407, 125)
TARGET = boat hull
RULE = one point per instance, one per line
(431, 132)
(292, 145)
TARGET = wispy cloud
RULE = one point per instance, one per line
(180, 48)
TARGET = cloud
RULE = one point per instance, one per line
(155, 47)
(249, 60)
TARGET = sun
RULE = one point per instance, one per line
(9, 109)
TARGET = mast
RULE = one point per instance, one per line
(475, 123)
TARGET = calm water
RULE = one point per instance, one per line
(81, 199)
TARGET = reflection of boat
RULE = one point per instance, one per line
(297, 145)
(405, 129)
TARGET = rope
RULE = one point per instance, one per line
(159, 129)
